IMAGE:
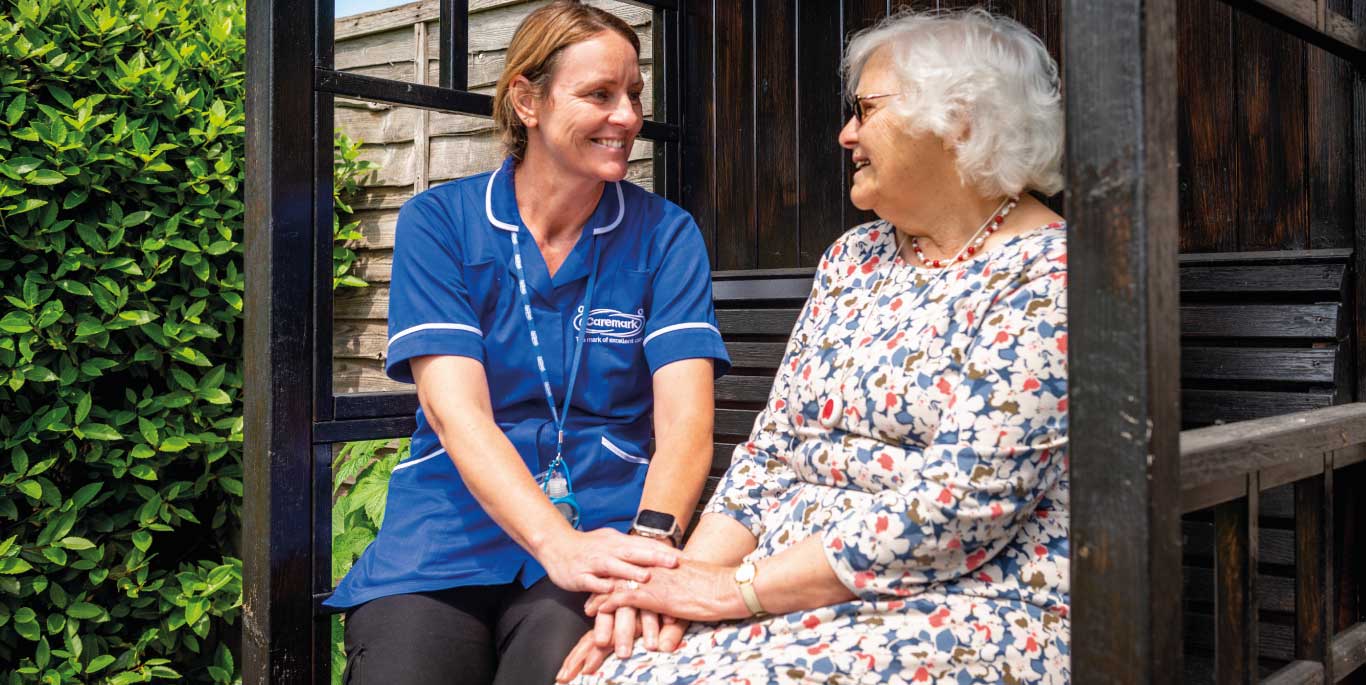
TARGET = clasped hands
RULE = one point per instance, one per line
(657, 610)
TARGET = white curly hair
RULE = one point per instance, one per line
(976, 69)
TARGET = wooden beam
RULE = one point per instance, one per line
(277, 554)
(1120, 66)
(1297, 673)
(1230, 451)
(1349, 650)
(421, 132)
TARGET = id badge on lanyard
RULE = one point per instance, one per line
(555, 482)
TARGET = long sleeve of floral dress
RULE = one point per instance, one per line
(996, 452)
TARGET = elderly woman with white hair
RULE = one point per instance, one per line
(900, 511)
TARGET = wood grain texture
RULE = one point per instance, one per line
(1210, 174)
(1314, 589)
(1236, 606)
(736, 230)
(777, 213)
(1297, 673)
(1200, 408)
(1328, 126)
(822, 197)
(1120, 71)
(699, 111)
(1288, 278)
(1260, 364)
(1323, 321)
(1272, 193)
(756, 321)
(1222, 452)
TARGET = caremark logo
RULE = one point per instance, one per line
(610, 325)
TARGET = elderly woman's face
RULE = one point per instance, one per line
(589, 118)
(892, 167)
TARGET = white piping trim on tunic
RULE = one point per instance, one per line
(488, 208)
(435, 327)
(419, 460)
(623, 453)
(679, 327)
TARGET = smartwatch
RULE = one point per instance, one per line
(658, 526)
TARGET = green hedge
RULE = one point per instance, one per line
(121, 165)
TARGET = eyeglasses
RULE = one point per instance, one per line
(856, 103)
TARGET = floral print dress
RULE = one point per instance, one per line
(918, 425)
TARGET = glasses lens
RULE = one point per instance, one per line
(857, 106)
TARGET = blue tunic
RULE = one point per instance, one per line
(454, 293)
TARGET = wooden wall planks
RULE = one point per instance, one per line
(1208, 144)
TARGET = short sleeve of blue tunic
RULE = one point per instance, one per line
(454, 292)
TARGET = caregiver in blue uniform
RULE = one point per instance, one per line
(546, 311)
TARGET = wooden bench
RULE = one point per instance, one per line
(1263, 333)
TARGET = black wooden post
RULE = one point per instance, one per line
(277, 556)
(1120, 73)
(454, 41)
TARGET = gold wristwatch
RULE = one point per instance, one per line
(744, 578)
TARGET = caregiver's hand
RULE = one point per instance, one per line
(590, 562)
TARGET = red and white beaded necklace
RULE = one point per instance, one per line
(991, 225)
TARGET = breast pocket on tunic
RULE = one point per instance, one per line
(614, 353)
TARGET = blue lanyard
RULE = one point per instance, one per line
(559, 416)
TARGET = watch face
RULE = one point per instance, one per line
(655, 520)
(745, 573)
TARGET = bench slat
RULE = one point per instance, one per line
(1262, 321)
(1259, 364)
(1211, 406)
(731, 388)
(1279, 278)
(734, 422)
(757, 321)
(756, 355)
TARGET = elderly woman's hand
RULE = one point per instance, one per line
(695, 591)
(590, 653)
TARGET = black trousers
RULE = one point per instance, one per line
(478, 635)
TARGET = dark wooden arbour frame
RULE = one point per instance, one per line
(1133, 471)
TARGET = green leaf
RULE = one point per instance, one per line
(143, 471)
(14, 565)
(15, 110)
(99, 663)
(76, 543)
(86, 494)
(142, 540)
(136, 218)
(74, 287)
(100, 431)
(83, 408)
(29, 630)
(16, 322)
(173, 443)
(44, 177)
(30, 488)
(84, 610)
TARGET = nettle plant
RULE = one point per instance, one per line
(121, 210)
